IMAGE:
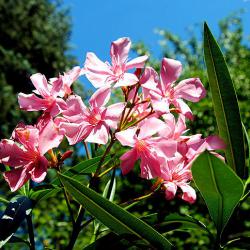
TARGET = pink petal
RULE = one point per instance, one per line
(113, 114)
(32, 103)
(127, 137)
(41, 84)
(127, 79)
(12, 155)
(16, 178)
(170, 71)
(170, 191)
(137, 62)
(99, 135)
(97, 71)
(215, 143)
(76, 111)
(190, 89)
(189, 194)
(150, 166)
(49, 137)
(149, 79)
(128, 161)
(150, 127)
(184, 108)
(100, 97)
(75, 132)
(39, 171)
(119, 51)
(167, 146)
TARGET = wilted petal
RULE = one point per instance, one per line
(214, 143)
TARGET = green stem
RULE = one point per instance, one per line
(31, 231)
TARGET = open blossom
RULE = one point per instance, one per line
(168, 92)
(91, 123)
(25, 152)
(49, 101)
(102, 74)
(144, 147)
(177, 175)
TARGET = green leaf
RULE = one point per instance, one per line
(248, 147)
(3, 200)
(18, 208)
(225, 103)
(76, 172)
(220, 187)
(173, 222)
(113, 216)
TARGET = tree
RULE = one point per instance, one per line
(34, 38)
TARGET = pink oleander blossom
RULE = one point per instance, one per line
(24, 152)
(144, 147)
(49, 101)
(102, 74)
(168, 92)
(177, 175)
(92, 123)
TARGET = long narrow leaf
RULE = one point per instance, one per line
(220, 187)
(225, 103)
(15, 213)
(113, 216)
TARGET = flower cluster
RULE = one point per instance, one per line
(151, 120)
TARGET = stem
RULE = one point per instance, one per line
(31, 231)
(68, 205)
(87, 150)
(76, 229)
(107, 170)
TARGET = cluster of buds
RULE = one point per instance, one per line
(150, 119)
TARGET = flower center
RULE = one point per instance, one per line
(94, 119)
(141, 145)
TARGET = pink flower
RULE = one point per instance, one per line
(49, 102)
(144, 147)
(102, 74)
(90, 124)
(25, 152)
(177, 175)
(169, 93)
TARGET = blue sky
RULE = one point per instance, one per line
(96, 23)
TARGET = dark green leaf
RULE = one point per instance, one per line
(173, 222)
(15, 213)
(83, 168)
(225, 103)
(220, 187)
(113, 216)
(247, 147)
